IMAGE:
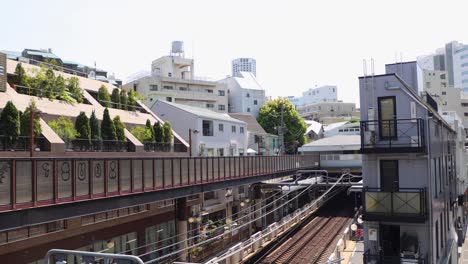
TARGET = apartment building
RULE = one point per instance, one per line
(209, 133)
(409, 170)
(244, 65)
(323, 110)
(172, 79)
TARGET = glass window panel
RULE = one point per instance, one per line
(148, 164)
(98, 176)
(5, 182)
(23, 182)
(64, 179)
(45, 180)
(168, 172)
(112, 175)
(125, 175)
(137, 174)
(82, 177)
(176, 171)
(158, 167)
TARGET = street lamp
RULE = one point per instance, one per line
(190, 139)
(31, 130)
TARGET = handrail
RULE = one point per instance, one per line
(105, 256)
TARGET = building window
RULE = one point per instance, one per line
(248, 95)
(220, 127)
(135, 87)
(153, 87)
(221, 107)
(183, 88)
(442, 76)
(209, 105)
(221, 92)
(241, 130)
(168, 87)
(169, 74)
(207, 128)
(255, 102)
(233, 129)
(169, 99)
(209, 90)
(428, 84)
(444, 93)
(248, 109)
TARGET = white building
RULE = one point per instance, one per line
(172, 79)
(213, 134)
(325, 110)
(326, 93)
(244, 65)
(245, 93)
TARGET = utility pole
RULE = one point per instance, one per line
(281, 131)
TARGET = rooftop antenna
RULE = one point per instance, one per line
(364, 66)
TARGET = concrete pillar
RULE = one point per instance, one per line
(257, 195)
(181, 219)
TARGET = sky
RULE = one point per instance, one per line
(297, 44)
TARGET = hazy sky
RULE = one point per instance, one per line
(297, 44)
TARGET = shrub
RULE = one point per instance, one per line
(73, 87)
(119, 129)
(95, 129)
(115, 98)
(82, 126)
(103, 96)
(26, 121)
(123, 100)
(64, 128)
(158, 132)
(167, 132)
(142, 134)
(107, 127)
(149, 128)
(131, 100)
(10, 123)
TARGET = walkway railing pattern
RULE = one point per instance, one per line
(32, 182)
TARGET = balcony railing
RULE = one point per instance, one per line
(22, 144)
(86, 145)
(397, 135)
(164, 147)
(382, 259)
(404, 205)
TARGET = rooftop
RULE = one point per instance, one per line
(248, 81)
(252, 124)
(334, 143)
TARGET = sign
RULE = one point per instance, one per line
(372, 234)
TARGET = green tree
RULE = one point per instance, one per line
(149, 128)
(142, 133)
(119, 129)
(9, 123)
(47, 86)
(103, 96)
(115, 98)
(123, 99)
(270, 118)
(158, 132)
(95, 129)
(131, 100)
(20, 78)
(26, 121)
(73, 87)
(64, 128)
(107, 127)
(82, 126)
(167, 132)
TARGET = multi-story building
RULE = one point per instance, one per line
(244, 65)
(323, 110)
(172, 79)
(409, 174)
(326, 93)
(212, 133)
(246, 95)
(296, 101)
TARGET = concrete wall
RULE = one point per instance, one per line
(3, 72)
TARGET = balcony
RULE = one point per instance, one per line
(393, 136)
(382, 259)
(404, 205)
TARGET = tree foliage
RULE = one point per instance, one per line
(21, 78)
(158, 132)
(119, 129)
(123, 99)
(107, 127)
(142, 133)
(64, 128)
(132, 98)
(115, 98)
(103, 96)
(95, 129)
(82, 126)
(10, 123)
(73, 86)
(270, 119)
(25, 120)
(150, 131)
(167, 132)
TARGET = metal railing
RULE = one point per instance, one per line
(97, 145)
(393, 134)
(403, 202)
(382, 259)
(31, 182)
(57, 67)
(164, 147)
(22, 143)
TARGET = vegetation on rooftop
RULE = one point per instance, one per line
(153, 134)
(119, 99)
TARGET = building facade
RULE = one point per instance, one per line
(320, 110)
(212, 133)
(244, 65)
(245, 94)
(409, 175)
(326, 93)
(172, 79)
